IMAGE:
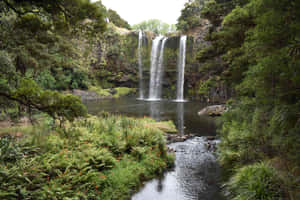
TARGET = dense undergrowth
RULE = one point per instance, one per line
(254, 49)
(105, 157)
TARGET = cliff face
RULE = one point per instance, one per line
(113, 58)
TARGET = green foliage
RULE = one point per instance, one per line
(7, 71)
(114, 92)
(92, 159)
(37, 35)
(214, 10)
(10, 151)
(190, 16)
(116, 68)
(155, 26)
(115, 18)
(123, 91)
(37, 15)
(205, 86)
(57, 105)
(255, 182)
(37, 41)
(258, 45)
(100, 91)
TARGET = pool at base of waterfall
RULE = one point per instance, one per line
(183, 114)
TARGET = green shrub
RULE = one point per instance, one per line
(256, 182)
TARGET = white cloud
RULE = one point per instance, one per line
(136, 11)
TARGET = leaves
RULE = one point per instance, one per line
(155, 26)
(87, 162)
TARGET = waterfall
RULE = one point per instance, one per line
(160, 69)
(180, 69)
(140, 62)
(156, 70)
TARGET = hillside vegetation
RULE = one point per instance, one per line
(48, 46)
(256, 46)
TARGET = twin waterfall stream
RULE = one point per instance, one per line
(157, 68)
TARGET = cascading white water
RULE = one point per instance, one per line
(158, 45)
(180, 68)
(140, 62)
(160, 70)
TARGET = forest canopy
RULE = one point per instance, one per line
(257, 44)
(156, 26)
(36, 57)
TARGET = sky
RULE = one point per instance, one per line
(136, 11)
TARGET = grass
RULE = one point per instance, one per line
(123, 91)
(106, 157)
(114, 93)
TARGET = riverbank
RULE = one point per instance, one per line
(106, 157)
(98, 93)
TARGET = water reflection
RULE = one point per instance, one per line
(196, 175)
(155, 110)
(180, 118)
(160, 185)
(196, 170)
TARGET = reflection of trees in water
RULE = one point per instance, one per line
(160, 185)
(180, 117)
(196, 170)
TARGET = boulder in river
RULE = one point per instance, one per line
(215, 110)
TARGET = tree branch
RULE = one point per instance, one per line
(29, 104)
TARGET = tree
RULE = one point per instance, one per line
(58, 106)
(57, 12)
(190, 16)
(115, 18)
(34, 48)
(155, 26)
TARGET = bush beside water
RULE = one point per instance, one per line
(106, 157)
